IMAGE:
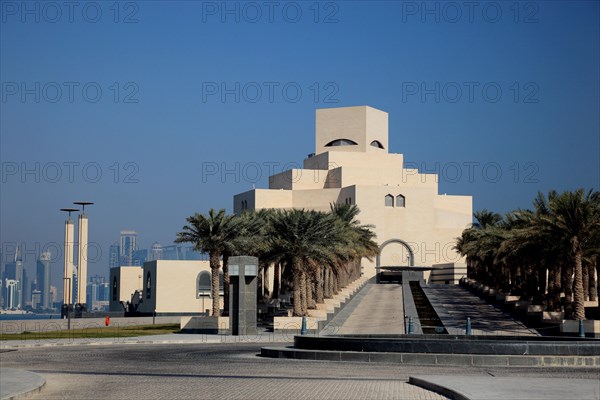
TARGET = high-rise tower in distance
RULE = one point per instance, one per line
(128, 246)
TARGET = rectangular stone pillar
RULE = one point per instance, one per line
(68, 265)
(243, 286)
(82, 246)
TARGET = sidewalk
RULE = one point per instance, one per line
(468, 387)
(15, 383)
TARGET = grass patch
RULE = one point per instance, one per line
(95, 332)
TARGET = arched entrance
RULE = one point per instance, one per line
(411, 255)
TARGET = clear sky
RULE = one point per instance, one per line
(133, 105)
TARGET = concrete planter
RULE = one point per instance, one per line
(204, 324)
(590, 326)
(295, 323)
(335, 302)
(522, 305)
(553, 316)
(511, 299)
(321, 314)
(325, 307)
(535, 309)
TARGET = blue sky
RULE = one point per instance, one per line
(501, 100)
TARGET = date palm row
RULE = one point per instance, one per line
(548, 254)
(316, 252)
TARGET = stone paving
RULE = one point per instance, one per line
(170, 387)
(232, 370)
(207, 371)
(514, 388)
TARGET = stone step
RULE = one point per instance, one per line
(553, 316)
(511, 299)
(521, 305)
(321, 313)
(295, 323)
(535, 309)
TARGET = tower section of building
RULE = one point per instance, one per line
(352, 165)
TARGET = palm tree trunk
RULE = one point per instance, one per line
(276, 280)
(303, 294)
(586, 280)
(260, 288)
(226, 281)
(299, 282)
(592, 274)
(319, 295)
(336, 285)
(578, 298)
(557, 286)
(326, 292)
(567, 287)
(597, 261)
(540, 270)
(265, 281)
(551, 290)
(310, 289)
(214, 269)
(513, 279)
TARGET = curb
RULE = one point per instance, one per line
(457, 360)
(225, 340)
(434, 387)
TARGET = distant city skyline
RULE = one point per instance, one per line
(47, 264)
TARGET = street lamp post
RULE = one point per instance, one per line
(68, 263)
(69, 303)
(82, 256)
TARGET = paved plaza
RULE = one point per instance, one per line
(207, 371)
(197, 366)
(233, 371)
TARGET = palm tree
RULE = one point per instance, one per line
(357, 241)
(560, 237)
(251, 231)
(479, 244)
(237, 232)
(212, 234)
(301, 238)
(574, 220)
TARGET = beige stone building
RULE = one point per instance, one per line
(164, 286)
(415, 225)
(124, 281)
